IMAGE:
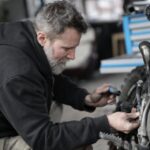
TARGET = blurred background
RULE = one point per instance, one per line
(107, 52)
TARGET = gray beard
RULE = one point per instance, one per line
(57, 68)
(56, 65)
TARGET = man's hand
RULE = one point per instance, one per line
(100, 97)
(124, 122)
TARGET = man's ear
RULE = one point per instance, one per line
(41, 38)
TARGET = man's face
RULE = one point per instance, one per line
(62, 49)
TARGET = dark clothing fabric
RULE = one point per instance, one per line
(27, 87)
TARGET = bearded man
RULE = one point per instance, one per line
(32, 58)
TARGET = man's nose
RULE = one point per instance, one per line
(71, 54)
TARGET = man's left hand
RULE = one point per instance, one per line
(100, 97)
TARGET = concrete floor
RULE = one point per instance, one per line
(97, 80)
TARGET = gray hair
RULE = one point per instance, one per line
(55, 17)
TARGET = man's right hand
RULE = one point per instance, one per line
(124, 122)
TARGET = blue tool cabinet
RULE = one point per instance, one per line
(136, 28)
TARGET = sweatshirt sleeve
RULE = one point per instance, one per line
(24, 105)
(69, 93)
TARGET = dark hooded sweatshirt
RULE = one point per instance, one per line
(27, 87)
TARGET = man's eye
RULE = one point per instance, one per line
(66, 49)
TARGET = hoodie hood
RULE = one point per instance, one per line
(22, 35)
